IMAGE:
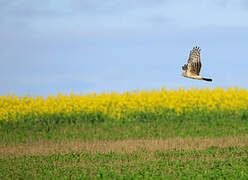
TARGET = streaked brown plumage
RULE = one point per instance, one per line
(193, 68)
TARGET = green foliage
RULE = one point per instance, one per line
(211, 163)
(110, 130)
(75, 117)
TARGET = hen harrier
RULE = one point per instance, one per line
(193, 68)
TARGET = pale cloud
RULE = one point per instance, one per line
(111, 15)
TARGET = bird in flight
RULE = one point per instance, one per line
(193, 68)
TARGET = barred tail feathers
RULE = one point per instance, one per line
(207, 79)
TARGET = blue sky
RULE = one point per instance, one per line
(114, 45)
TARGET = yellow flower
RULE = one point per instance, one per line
(119, 105)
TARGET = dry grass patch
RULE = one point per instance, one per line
(123, 146)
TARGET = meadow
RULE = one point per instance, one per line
(162, 134)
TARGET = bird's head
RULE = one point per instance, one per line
(183, 74)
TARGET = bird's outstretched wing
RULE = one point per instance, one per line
(194, 62)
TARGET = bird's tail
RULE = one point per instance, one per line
(207, 79)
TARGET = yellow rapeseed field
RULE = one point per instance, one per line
(116, 105)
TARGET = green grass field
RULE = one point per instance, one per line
(159, 148)
(210, 163)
